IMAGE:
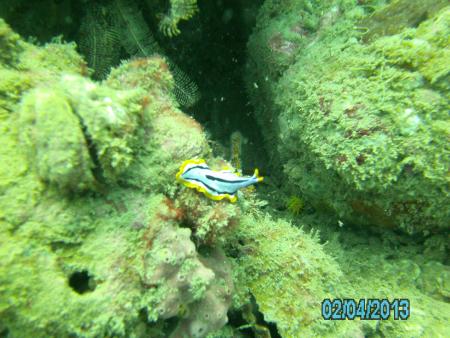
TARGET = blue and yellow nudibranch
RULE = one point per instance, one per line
(216, 185)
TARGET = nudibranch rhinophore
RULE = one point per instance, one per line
(214, 184)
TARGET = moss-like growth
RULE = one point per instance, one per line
(359, 128)
(9, 44)
(75, 263)
(99, 124)
(287, 272)
(209, 220)
(54, 139)
(398, 15)
(110, 119)
(97, 239)
(13, 84)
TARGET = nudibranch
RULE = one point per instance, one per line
(214, 184)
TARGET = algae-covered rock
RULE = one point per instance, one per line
(9, 44)
(74, 261)
(434, 280)
(398, 15)
(98, 240)
(110, 119)
(169, 135)
(209, 220)
(387, 267)
(54, 139)
(74, 125)
(287, 272)
(359, 128)
(210, 314)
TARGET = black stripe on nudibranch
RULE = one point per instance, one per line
(211, 188)
(195, 167)
(212, 178)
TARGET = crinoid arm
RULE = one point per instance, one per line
(99, 40)
(136, 37)
(179, 10)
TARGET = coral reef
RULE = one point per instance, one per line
(97, 239)
(398, 15)
(283, 295)
(111, 244)
(100, 124)
(387, 267)
(210, 313)
(359, 128)
(209, 220)
(55, 142)
(86, 253)
(196, 288)
(107, 32)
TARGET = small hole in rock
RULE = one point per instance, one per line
(81, 282)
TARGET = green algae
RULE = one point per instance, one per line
(90, 213)
(365, 122)
(285, 296)
(398, 15)
(359, 128)
(75, 262)
(9, 43)
(56, 144)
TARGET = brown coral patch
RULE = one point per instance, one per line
(280, 45)
(373, 213)
(354, 109)
(341, 158)
(176, 214)
(139, 62)
(361, 159)
(299, 29)
(208, 219)
(325, 105)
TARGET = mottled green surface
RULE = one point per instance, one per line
(285, 296)
(360, 128)
(83, 169)
(98, 240)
